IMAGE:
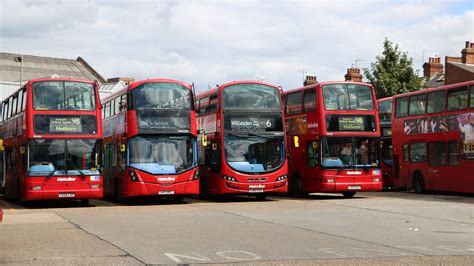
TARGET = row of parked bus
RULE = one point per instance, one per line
(157, 137)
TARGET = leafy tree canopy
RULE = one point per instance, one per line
(392, 73)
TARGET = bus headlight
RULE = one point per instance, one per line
(281, 178)
(196, 175)
(133, 176)
(230, 178)
(376, 179)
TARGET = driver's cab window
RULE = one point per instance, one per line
(313, 153)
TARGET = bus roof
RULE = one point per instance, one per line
(222, 86)
(135, 84)
(325, 83)
(445, 87)
(60, 79)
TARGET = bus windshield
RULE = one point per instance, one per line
(347, 97)
(162, 154)
(63, 157)
(385, 109)
(156, 95)
(63, 95)
(349, 152)
(251, 96)
(253, 153)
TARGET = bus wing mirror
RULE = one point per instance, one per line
(123, 148)
(204, 140)
(296, 141)
(122, 106)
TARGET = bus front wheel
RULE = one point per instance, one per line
(294, 188)
(348, 194)
(418, 183)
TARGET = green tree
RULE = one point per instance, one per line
(392, 73)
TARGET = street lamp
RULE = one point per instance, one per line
(20, 60)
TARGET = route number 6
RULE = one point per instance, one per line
(269, 124)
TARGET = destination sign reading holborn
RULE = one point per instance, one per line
(65, 125)
(351, 123)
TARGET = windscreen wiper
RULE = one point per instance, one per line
(80, 172)
(264, 136)
(51, 174)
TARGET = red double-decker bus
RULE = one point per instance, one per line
(433, 139)
(333, 138)
(150, 144)
(385, 116)
(52, 141)
(242, 136)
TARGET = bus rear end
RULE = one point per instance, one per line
(62, 142)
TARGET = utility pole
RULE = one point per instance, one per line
(20, 60)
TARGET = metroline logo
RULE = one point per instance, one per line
(257, 186)
(66, 179)
(168, 178)
(354, 172)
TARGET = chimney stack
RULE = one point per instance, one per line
(468, 53)
(310, 80)
(117, 79)
(432, 67)
(353, 74)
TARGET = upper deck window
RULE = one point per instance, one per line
(417, 104)
(385, 109)
(401, 108)
(471, 101)
(347, 97)
(251, 97)
(457, 99)
(162, 95)
(436, 102)
(293, 102)
(63, 95)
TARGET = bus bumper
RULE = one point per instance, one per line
(136, 189)
(255, 188)
(62, 187)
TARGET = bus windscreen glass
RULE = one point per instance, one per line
(347, 97)
(251, 97)
(63, 95)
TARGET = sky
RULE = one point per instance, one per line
(213, 42)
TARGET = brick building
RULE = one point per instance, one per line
(456, 69)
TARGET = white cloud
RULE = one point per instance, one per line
(211, 42)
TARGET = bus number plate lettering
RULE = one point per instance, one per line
(354, 187)
(256, 190)
(67, 195)
(166, 192)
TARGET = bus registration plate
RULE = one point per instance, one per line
(67, 195)
(354, 187)
(166, 192)
(256, 190)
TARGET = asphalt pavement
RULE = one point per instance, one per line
(382, 228)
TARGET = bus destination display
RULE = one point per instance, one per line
(65, 125)
(351, 123)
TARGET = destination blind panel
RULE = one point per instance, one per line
(65, 124)
(350, 123)
(255, 122)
